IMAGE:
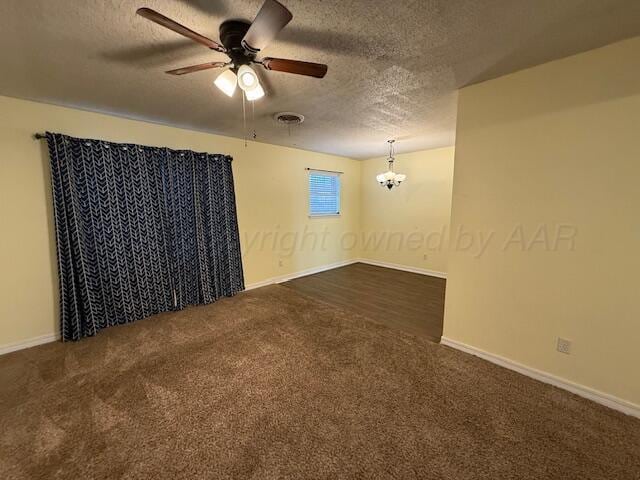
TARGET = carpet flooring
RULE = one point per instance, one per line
(273, 384)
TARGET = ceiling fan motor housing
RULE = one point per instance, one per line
(231, 34)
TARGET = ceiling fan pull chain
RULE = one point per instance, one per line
(244, 121)
(253, 119)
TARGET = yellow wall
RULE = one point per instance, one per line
(408, 225)
(271, 193)
(555, 146)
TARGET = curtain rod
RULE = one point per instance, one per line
(319, 170)
(40, 136)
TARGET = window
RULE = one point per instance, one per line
(324, 193)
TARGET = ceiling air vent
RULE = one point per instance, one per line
(288, 118)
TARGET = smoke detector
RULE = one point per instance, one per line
(288, 118)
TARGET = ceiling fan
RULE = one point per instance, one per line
(241, 41)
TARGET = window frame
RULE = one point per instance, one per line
(326, 173)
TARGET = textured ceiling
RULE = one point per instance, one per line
(394, 66)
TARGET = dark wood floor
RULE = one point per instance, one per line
(408, 301)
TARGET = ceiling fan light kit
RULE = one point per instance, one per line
(242, 41)
(391, 179)
(255, 93)
(227, 82)
(247, 78)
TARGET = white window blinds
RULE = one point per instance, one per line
(324, 193)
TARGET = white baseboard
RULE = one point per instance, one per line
(602, 398)
(404, 268)
(31, 342)
(301, 273)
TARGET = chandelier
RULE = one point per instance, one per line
(390, 179)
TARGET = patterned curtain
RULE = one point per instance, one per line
(200, 200)
(140, 230)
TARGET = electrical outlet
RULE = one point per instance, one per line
(425, 256)
(564, 346)
(280, 263)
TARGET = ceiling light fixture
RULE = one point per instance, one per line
(227, 82)
(247, 78)
(242, 41)
(390, 179)
(255, 93)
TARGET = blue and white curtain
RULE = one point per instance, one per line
(140, 230)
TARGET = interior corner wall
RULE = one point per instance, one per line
(277, 236)
(547, 167)
(408, 225)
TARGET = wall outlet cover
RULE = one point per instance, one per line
(564, 346)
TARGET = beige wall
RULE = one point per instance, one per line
(271, 191)
(555, 146)
(408, 225)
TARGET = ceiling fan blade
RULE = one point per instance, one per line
(272, 17)
(317, 70)
(196, 68)
(181, 29)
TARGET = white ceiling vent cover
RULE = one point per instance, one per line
(288, 118)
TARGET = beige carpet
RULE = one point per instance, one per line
(271, 384)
